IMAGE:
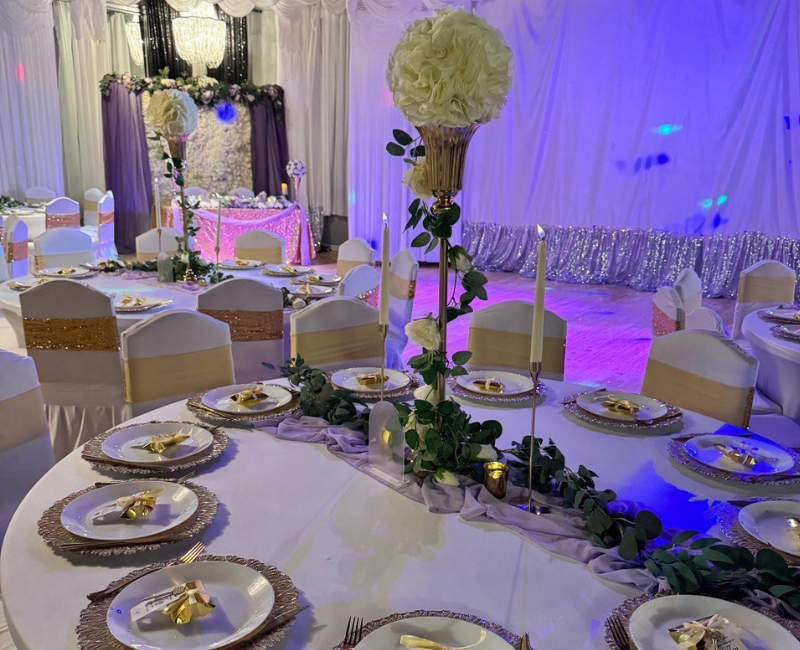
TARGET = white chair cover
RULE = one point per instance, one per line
(71, 333)
(254, 312)
(102, 232)
(15, 246)
(704, 318)
(764, 284)
(173, 355)
(62, 247)
(244, 192)
(702, 371)
(196, 191)
(337, 333)
(62, 212)
(38, 194)
(361, 282)
(403, 273)
(500, 339)
(26, 452)
(353, 252)
(690, 290)
(147, 243)
(261, 245)
(91, 199)
(668, 312)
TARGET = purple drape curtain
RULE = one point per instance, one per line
(269, 149)
(127, 167)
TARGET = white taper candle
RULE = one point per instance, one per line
(383, 316)
(537, 331)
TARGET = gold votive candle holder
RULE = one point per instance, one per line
(495, 478)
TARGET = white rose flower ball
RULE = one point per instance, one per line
(445, 477)
(298, 303)
(172, 113)
(487, 453)
(451, 69)
(417, 179)
(424, 332)
(426, 394)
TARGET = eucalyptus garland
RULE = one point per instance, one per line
(7, 202)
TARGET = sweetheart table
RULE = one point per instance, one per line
(355, 547)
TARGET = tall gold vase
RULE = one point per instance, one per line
(445, 155)
(177, 149)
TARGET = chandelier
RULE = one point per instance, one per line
(200, 37)
(133, 33)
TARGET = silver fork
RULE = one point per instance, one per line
(354, 633)
(618, 632)
(187, 558)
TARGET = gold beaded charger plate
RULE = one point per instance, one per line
(285, 270)
(64, 272)
(787, 332)
(198, 408)
(787, 315)
(670, 422)
(52, 530)
(520, 400)
(767, 624)
(94, 454)
(93, 629)
(761, 524)
(130, 304)
(240, 265)
(442, 626)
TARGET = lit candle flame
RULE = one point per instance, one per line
(385, 221)
(540, 231)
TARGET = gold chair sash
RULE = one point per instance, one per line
(263, 255)
(247, 326)
(512, 350)
(105, 218)
(343, 266)
(334, 345)
(370, 297)
(72, 220)
(149, 256)
(23, 417)
(153, 378)
(98, 333)
(693, 392)
(765, 289)
(663, 324)
(401, 288)
(90, 206)
(17, 251)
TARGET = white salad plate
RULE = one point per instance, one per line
(770, 458)
(126, 444)
(349, 379)
(221, 399)
(766, 521)
(649, 408)
(513, 383)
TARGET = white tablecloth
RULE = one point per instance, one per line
(355, 547)
(779, 365)
(34, 219)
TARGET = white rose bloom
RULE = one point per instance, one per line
(417, 179)
(445, 477)
(487, 453)
(298, 303)
(424, 332)
(427, 394)
(451, 69)
(463, 263)
(172, 113)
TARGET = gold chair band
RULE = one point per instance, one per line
(370, 297)
(149, 256)
(72, 220)
(23, 419)
(98, 333)
(263, 255)
(765, 289)
(153, 378)
(512, 350)
(343, 266)
(90, 206)
(693, 392)
(249, 326)
(105, 218)
(401, 288)
(17, 251)
(331, 346)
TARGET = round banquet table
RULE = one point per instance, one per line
(779, 364)
(355, 547)
(34, 218)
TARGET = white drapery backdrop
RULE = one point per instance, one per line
(628, 114)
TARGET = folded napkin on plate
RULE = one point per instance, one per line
(131, 301)
(621, 405)
(158, 444)
(736, 454)
(371, 378)
(413, 642)
(287, 268)
(711, 633)
(490, 384)
(181, 603)
(65, 271)
(250, 396)
(130, 507)
(313, 278)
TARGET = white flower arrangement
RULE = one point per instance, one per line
(424, 332)
(296, 169)
(417, 179)
(451, 69)
(172, 113)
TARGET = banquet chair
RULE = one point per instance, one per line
(254, 312)
(361, 282)
(668, 312)
(147, 243)
(336, 333)
(690, 290)
(91, 198)
(102, 231)
(38, 195)
(764, 284)
(174, 355)
(62, 247)
(500, 339)
(244, 192)
(403, 272)
(62, 212)
(15, 246)
(354, 252)
(704, 318)
(196, 191)
(261, 245)
(702, 371)
(26, 452)
(71, 333)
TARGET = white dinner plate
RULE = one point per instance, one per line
(649, 408)
(311, 291)
(286, 270)
(324, 279)
(349, 379)
(55, 272)
(513, 383)
(240, 265)
(766, 521)
(771, 458)
(125, 444)
(445, 631)
(173, 506)
(242, 599)
(219, 399)
(145, 304)
(650, 623)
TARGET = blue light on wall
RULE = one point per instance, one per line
(667, 129)
(226, 113)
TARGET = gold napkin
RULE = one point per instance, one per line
(132, 507)
(705, 634)
(313, 278)
(305, 288)
(250, 396)
(242, 262)
(371, 379)
(621, 405)
(490, 384)
(131, 301)
(181, 603)
(736, 454)
(413, 642)
(287, 268)
(65, 271)
(158, 444)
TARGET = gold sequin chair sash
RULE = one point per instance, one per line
(491, 347)
(263, 255)
(337, 345)
(663, 324)
(16, 251)
(98, 333)
(343, 266)
(370, 297)
(754, 288)
(401, 288)
(71, 220)
(105, 218)
(247, 326)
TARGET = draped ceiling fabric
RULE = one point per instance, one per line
(30, 127)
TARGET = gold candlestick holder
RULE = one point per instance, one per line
(527, 503)
(383, 330)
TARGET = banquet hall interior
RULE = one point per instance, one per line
(399, 324)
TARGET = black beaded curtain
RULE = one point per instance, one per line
(160, 50)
